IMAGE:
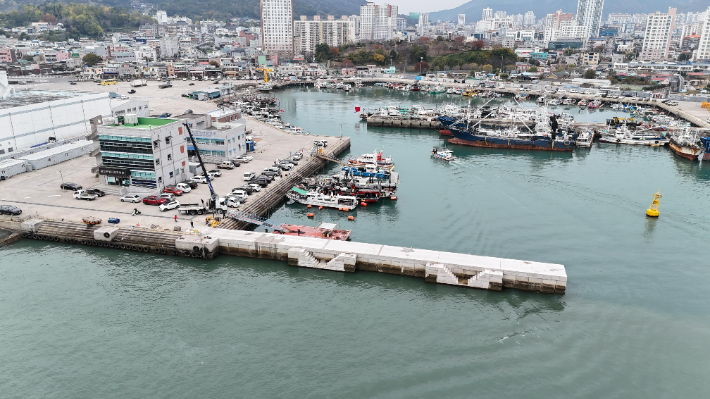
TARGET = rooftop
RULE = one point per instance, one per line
(27, 97)
(146, 123)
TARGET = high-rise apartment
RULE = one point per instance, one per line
(377, 22)
(657, 39)
(703, 53)
(589, 15)
(558, 20)
(331, 31)
(487, 14)
(277, 27)
(423, 23)
(462, 19)
(529, 18)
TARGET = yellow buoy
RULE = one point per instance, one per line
(652, 211)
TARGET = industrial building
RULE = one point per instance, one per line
(56, 155)
(31, 118)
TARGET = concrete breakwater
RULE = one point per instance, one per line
(344, 256)
(277, 192)
(433, 266)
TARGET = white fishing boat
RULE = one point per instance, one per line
(624, 135)
(264, 87)
(319, 199)
(584, 139)
(373, 158)
(443, 153)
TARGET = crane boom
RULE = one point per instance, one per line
(214, 198)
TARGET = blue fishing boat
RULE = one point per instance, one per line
(539, 140)
(706, 147)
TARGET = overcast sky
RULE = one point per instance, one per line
(407, 6)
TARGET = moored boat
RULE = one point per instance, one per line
(443, 153)
(687, 145)
(706, 148)
(319, 199)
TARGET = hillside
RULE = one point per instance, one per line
(216, 9)
(474, 8)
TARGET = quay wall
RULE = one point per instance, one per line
(276, 193)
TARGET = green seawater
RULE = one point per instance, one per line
(78, 322)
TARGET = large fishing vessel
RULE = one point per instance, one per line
(687, 145)
(624, 135)
(542, 139)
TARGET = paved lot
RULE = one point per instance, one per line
(695, 109)
(38, 192)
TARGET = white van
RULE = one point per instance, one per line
(226, 165)
(249, 176)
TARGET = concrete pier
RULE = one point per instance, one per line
(433, 266)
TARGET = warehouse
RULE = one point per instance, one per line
(57, 155)
(11, 167)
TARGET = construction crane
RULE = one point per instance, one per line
(214, 198)
(266, 71)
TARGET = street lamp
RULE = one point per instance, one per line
(61, 175)
(420, 65)
(341, 129)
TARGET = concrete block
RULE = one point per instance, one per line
(106, 233)
(31, 225)
(195, 244)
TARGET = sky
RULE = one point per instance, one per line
(407, 6)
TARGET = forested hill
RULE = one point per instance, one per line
(216, 9)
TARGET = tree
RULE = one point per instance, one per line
(534, 62)
(322, 52)
(91, 59)
(28, 58)
(334, 51)
(379, 58)
(532, 69)
(590, 74)
(421, 67)
(214, 63)
(417, 53)
(459, 39)
(685, 56)
(48, 18)
(477, 45)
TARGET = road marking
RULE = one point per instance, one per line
(28, 197)
(55, 195)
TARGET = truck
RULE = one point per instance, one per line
(84, 195)
(198, 209)
(139, 83)
(166, 85)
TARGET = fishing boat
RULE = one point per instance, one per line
(584, 139)
(542, 139)
(264, 87)
(687, 145)
(624, 135)
(706, 148)
(319, 199)
(374, 158)
(366, 170)
(437, 90)
(443, 153)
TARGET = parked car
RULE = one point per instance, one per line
(188, 183)
(199, 179)
(169, 205)
(10, 210)
(321, 143)
(254, 187)
(249, 176)
(226, 165)
(96, 191)
(292, 160)
(269, 172)
(168, 196)
(246, 188)
(239, 193)
(135, 198)
(172, 190)
(229, 201)
(185, 188)
(154, 200)
(214, 173)
(83, 195)
(297, 156)
(70, 186)
(262, 180)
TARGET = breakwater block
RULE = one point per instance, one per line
(206, 246)
(31, 225)
(106, 233)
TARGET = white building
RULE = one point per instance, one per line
(487, 14)
(703, 53)
(217, 141)
(169, 47)
(377, 22)
(529, 18)
(31, 118)
(356, 20)
(331, 31)
(462, 19)
(589, 15)
(657, 39)
(277, 27)
(423, 23)
(161, 17)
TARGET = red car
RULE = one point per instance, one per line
(154, 200)
(173, 190)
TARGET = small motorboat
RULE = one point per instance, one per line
(443, 153)
(90, 220)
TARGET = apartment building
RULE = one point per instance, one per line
(558, 20)
(331, 31)
(657, 38)
(377, 22)
(703, 53)
(277, 27)
(589, 15)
